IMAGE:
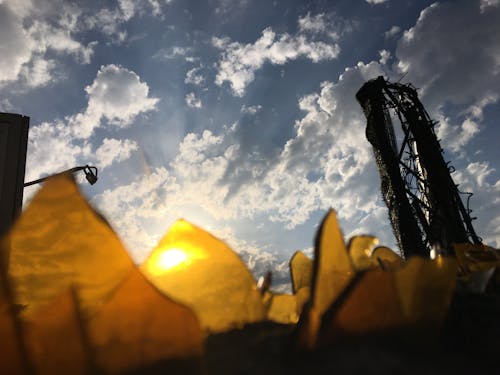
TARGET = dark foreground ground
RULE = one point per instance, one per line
(468, 344)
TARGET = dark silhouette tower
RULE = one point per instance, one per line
(425, 206)
(13, 146)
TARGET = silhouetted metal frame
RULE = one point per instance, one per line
(424, 203)
(90, 174)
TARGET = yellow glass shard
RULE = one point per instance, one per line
(302, 295)
(54, 338)
(332, 269)
(300, 271)
(11, 361)
(425, 288)
(474, 258)
(332, 272)
(171, 258)
(211, 278)
(139, 326)
(308, 328)
(386, 258)
(360, 249)
(283, 309)
(60, 241)
(370, 304)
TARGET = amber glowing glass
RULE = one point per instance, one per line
(300, 271)
(200, 271)
(11, 359)
(139, 326)
(54, 338)
(385, 257)
(332, 272)
(425, 288)
(360, 249)
(370, 304)
(332, 264)
(60, 241)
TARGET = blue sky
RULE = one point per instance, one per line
(240, 116)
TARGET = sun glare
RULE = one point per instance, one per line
(169, 259)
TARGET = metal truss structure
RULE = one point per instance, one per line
(425, 205)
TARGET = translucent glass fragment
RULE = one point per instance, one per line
(369, 304)
(199, 270)
(386, 258)
(332, 272)
(360, 249)
(332, 269)
(58, 241)
(302, 295)
(283, 309)
(300, 271)
(286, 308)
(54, 338)
(139, 326)
(425, 288)
(474, 258)
(11, 359)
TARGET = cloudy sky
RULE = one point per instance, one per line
(240, 116)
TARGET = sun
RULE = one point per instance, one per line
(168, 259)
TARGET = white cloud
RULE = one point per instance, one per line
(475, 111)
(114, 150)
(325, 23)
(28, 31)
(174, 52)
(219, 179)
(225, 7)
(192, 101)
(60, 40)
(5, 105)
(384, 56)
(15, 42)
(376, 1)
(116, 95)
(251, 110)
(454, 137)
(239, 62)
(479, 178)
(38, 72)
(450, 62)
(52, 148)
(392, 32)
(485, 4)
(110, 20)
(194, 77)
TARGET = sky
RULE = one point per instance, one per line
(240, 116)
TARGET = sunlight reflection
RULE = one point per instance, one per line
(170, 258)
(174, 257)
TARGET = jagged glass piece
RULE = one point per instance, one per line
(369, 304)
(54, 338)
(139, 326)
(386, 258)
(425, 288)
(11, 359)
(332, 272)
(199, 270)
(416, 295)
(283, 308)
(332, 269)
(60, 241)
(360, 249)
(300, 271)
